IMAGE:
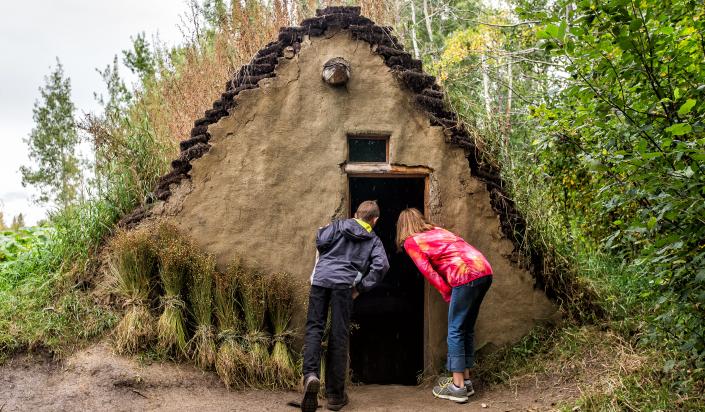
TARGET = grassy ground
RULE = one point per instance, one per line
(610, 372)
(39, 313)
(44, 303)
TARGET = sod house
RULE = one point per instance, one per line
(333, 113)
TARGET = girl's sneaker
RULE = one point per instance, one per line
(447, 390)
(468, 386)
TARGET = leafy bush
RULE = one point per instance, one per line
(624, 142)
(595, 111)
(15, 243)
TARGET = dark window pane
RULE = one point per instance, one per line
(367, 150)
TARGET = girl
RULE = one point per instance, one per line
(463, 276)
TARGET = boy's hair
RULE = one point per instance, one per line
(367, 211)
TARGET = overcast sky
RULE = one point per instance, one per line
(84, 35)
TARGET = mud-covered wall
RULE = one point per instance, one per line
(275, 173)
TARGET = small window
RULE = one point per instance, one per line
(368, 149)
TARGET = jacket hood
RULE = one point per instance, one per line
(352, 230)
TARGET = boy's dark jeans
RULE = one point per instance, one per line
(340, 301)
(462, 314)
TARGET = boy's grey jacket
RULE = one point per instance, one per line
(346, 250)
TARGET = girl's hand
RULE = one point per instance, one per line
(355, 293)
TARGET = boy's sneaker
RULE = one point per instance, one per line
(447, 390)
(337, 404)
(310, 401)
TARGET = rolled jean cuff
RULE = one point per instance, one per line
(469, 362)
(456, 363)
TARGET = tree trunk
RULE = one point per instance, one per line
(413, 30)
(510, 83)
(427, 18)
(508, 120)
(485, 86)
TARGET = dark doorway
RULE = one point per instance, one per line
(386, 345)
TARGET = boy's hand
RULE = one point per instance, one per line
(355, 293)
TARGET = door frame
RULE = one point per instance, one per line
(387, 171)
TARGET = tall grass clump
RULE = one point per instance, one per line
(251, 284)
(132, 266)
(174, 254)
(202, 346)
(230, 361)
(280, 302)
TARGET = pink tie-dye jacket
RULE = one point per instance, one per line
(446, 260)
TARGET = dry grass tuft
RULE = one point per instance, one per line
(196, 76)
(239, 299)
(242, 357)
(599, 368)
(281, 299)
(174, 256)
(230, 361)
(202, 345)
(135, 331)
(227, 302)
(131, 268)
(251, 285)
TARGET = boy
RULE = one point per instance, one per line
(351, 261)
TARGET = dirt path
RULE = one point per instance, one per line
(96, 379)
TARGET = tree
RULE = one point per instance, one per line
(140, 60)
(17, 222)
(2, 221)
(53, 143)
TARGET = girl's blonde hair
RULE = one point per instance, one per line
(410, 222)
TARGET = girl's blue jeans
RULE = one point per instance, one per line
(464, 307)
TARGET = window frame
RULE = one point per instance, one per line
(369, 137)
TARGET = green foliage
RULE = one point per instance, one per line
(52, 143)
(129, 156)
(595, 116)
(140, 60)
(624, 142)
(15, 242)
(129, 153)
(430, 22)
(41, 303)
(118, 95)
(215, 12)
(39, 306)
